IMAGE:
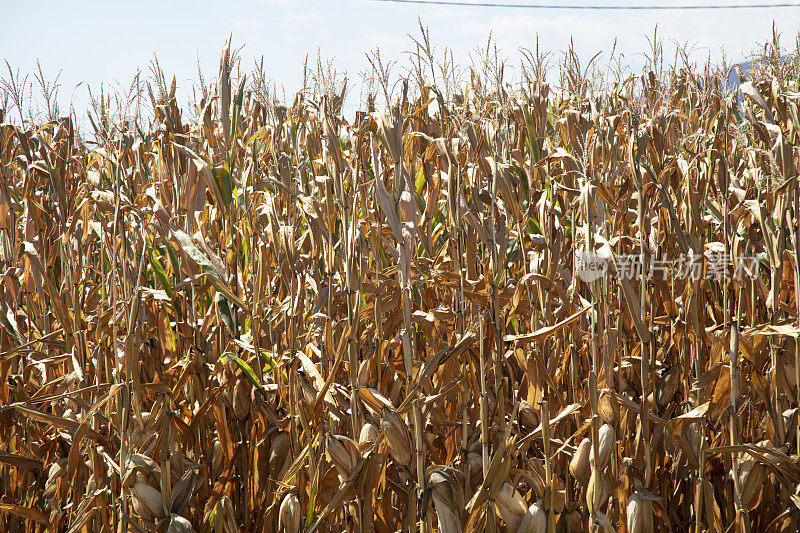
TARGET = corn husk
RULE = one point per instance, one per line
(596, 492)
(147, 500)
(241, 399)
(600, 524)
(640, 514)
(55, 472)
(751, 478)
(668, 386)
(369, 433)
(178, 524)
(604, 407)
(398, 436)
(535, 519)
(343, 453)
(511, 506)
(607, 441)
(579, 465)
(217, 457)
(448, 501)
(279, 459)
(182, 491)
(528, 417)
(289, 514)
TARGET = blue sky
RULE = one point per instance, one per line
(92, 42)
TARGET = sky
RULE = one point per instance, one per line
(94, 42)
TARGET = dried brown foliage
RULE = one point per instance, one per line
(274, 318)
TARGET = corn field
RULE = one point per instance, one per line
(253, 316)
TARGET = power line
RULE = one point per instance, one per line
(591, 7)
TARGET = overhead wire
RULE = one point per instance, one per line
(592, 7)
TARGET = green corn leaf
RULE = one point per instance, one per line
(248, 371)
(160, 273)
(207, 266)
(225, 312)
(273, 365)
